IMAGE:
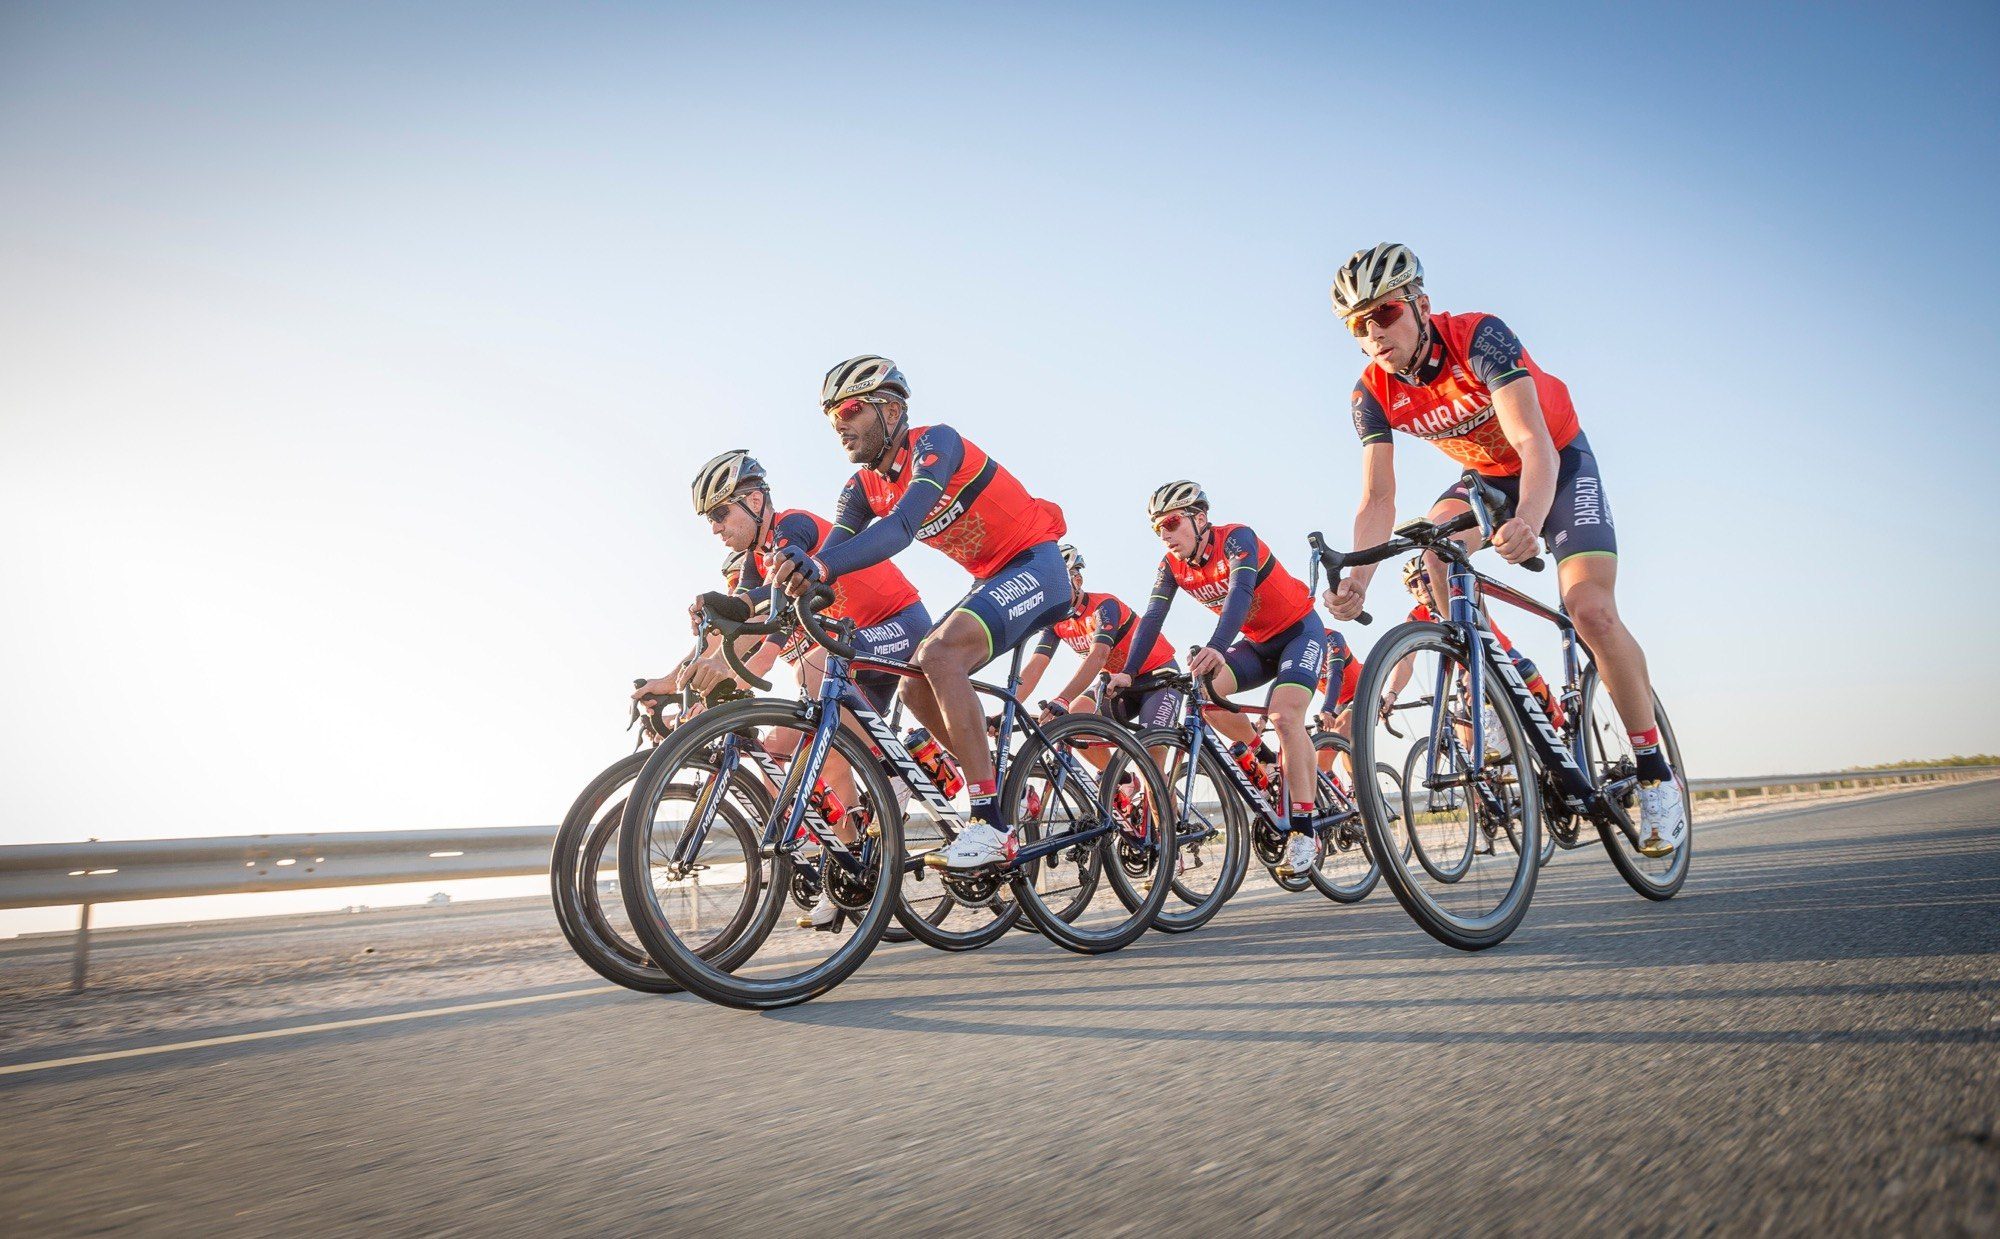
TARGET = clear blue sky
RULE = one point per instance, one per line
(354, 359)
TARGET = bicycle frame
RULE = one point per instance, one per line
(1194, 721)
(1563, 761)
(837, 691)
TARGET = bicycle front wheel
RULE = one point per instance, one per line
(1484, 902)
(1073, 772)
(1211, 831)
(671, 817)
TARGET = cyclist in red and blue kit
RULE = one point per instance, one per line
(1266, 632)
(1100, 629)
(930, 484)
(732, 493)
(1464, 382)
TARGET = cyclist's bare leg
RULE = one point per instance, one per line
(1291, 706)
(1588, 591)
(1235, 728)
(944, 700)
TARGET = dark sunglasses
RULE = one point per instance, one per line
(1385, 316)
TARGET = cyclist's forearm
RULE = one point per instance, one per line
(1399, 675)
(881, 539)
(1093, 662)
(1374, 521)
(1527, 431)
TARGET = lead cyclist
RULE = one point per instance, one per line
(1465, 382)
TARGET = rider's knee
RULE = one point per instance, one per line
(1593, 610)
(935, 658)
(1288, 718)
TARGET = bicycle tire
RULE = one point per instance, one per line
(1231, 866)
(1629, 867)
(1050, 753)
(1360, 887)
(714, 980)
(1460, 932)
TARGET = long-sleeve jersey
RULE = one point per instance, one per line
(1100, 619)
(943, 491)
(1235, 575)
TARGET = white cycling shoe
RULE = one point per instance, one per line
(977, 845)
(1301, 854)
(1663, 821)
(823, 914)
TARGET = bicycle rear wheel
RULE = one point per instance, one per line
(1485, 902)
(663, 827)
(1608, 747)
(1080, 800)
(1347, 870)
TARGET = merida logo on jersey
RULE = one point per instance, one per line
(940, 521)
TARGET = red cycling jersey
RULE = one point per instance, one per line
(868, 596)
(983, 518)
(1279, 601)
(1103, 614)
(1451, 401)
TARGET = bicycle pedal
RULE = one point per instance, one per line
(874, 830)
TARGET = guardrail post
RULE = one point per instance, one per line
(694, 902)
(80, 966)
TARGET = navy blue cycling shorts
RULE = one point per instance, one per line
(1030, 592)
(1294, 656)
(896, 638)
(1580, 518)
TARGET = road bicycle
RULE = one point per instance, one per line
(1226, 808)
(1064, 809)
(1494, 765)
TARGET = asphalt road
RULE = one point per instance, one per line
(1806, 1040)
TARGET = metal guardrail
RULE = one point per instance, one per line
(40, 875)
(1778, 784)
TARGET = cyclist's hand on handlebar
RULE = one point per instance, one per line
(1515, 541)
(1205, 661)
(1326, 720)
(1344, 599)
(708, 671)
(1387, 705)
(794, 571)
(665, 686)
(1118, 683)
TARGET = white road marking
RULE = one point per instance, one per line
(50, 1064)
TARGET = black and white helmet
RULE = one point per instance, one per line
(1072, 558)
(732, 568)
(861, 376)
(1374, 273)
(1176, 495)
(723, 477)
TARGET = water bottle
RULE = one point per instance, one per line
(935, 762)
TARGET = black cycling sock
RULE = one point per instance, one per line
(986, 808)
(1653, 767)
(1264, 753)
(1301, 820)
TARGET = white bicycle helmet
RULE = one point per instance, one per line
(1176, 495)
(723, 477)
(1072, 558)
(1374, 273)
(861, 376)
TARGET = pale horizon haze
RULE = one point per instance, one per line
(355, 359)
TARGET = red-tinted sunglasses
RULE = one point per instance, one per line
(1385, 316)
(850, 406)
(1167, 523)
